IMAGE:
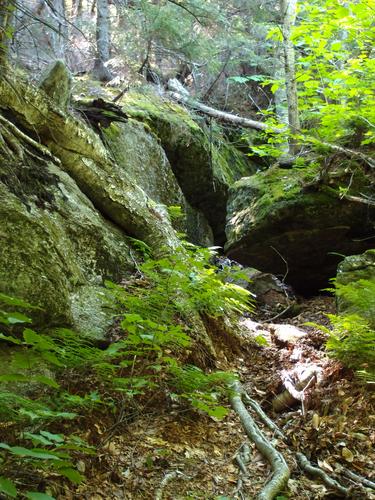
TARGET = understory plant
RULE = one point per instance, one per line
(351, 337)
(52, 380)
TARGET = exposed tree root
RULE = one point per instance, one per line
(168, 477)
(242, 458)
(280, 469)
(302, 460)
(359, 479)
(313, 471)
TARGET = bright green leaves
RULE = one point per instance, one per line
(35, 495)
(351, 337)
(8, 487)
(335, 68)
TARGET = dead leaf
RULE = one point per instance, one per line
(347, 454)
(316, 421)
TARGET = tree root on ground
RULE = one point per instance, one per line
(168, 477)
(303, 461)
(313, 471)
(359, 479)
(280, 469)
(242, 458)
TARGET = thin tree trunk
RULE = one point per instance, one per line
(103, 42)
(288, 10)
(6, 15)
(281, 100)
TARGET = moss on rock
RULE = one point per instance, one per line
(204, 165)
(286, 222)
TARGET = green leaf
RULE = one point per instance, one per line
(37, 439)
(15, 302)
(47, 381)
(8, 487)
(14, 377)
(58, 438)
(51, 358)
(35, 339)
(72, 474)
(35, 495)
(14, 317)
(32, 453)
(8, 338)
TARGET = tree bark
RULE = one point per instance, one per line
(60, 36)
(103, 42)
(6, 15)
(288, 10)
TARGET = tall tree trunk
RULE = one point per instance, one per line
(6, 15)
(281, 100)
(103, 42)
(288, 11)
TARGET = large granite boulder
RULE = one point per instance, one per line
(56, 249)
(292, 224)
(204, 164)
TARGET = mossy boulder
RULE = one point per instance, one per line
(291, 224)
(204, 164)
(137, 151)
(50, 252)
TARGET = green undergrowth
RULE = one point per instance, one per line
(351, 336)
(52, 383)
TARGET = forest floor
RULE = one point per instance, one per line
(168, 453)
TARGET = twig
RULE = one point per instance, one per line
(285, 262)
(280, 314)
(280, 469)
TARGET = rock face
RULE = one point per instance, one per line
(205, 167)
(57, 254)
(279, 221)
(57, 84)
(69, 204)
(356, 267)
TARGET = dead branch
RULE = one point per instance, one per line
(313, 471)
(248, 123)
(222, 115)
(294, 391)
(280, 469)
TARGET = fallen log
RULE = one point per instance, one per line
(254, 124)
